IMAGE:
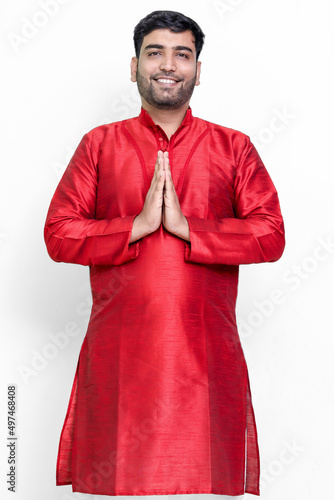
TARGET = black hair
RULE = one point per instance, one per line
(175, 21)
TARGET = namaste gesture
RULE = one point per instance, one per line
(161, 205)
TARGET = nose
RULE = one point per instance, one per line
(167, 63)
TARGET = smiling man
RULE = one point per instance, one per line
(163, 208)
(167, 85)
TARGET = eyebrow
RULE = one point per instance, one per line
(158, 46)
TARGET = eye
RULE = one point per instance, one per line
(179, 54)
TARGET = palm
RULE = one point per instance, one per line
(172, 217)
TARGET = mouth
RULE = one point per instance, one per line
(167, 82)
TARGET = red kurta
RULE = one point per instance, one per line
(161, 402)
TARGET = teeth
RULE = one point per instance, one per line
(164, 80)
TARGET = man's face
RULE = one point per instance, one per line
(171, 57)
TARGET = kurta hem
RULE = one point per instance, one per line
(164, 492)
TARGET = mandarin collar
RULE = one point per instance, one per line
(146, 119)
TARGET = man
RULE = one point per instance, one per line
(163, 207)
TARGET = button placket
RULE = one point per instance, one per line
(161, 142)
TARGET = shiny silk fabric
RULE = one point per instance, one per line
(161, 401)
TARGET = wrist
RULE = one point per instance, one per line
(143, 225)
(139, 228)
(183, 229)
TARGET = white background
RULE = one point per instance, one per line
(262, 59)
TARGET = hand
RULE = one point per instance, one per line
(161, 205)
(172, 216)
(150, 217)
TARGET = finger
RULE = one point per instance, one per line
(157, 164)
(169, 190)
(158, 170)
(169, 181)
(162, 159)
(161, 181)
(161, 173)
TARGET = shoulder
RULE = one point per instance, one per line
(98, 134)
(228, 140)
(225, 131)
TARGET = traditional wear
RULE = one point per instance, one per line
(161, 401)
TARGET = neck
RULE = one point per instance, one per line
(168, 119)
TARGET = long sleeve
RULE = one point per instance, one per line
(71, 232)
(256, 234)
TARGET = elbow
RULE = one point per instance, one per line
(52, 245)
(275, 245)
(278, 248)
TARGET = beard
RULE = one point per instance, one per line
(165, 98)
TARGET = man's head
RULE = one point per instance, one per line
(167, 46)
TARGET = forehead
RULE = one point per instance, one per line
(168, 38)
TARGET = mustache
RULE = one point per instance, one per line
(173, 77)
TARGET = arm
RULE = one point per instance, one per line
(71, 233)
(256, 234)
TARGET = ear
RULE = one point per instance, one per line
(199, 66)
(134, 64)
